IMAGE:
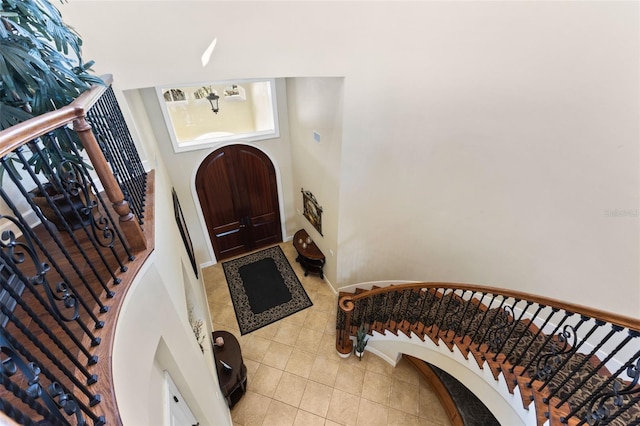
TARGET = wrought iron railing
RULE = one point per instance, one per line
(579, 365)
(67, 240)
(117, 145)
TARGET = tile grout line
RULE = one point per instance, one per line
(317, 294)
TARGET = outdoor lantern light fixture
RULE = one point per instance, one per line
(213, 100)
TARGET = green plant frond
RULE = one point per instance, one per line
(87, 65)
(29, 10)
(5, 77)
(92, 79)
(10, 116)
(22, 31)
(9, 164)
(21, 65)
(41, 69)
(51, 10)
(25, 65)
(35, 53)
(69, 86)
(3, 31)
(53, 33)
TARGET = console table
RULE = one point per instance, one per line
(233, 380)
(309, 255)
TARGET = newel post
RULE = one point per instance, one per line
(344, 345)
(128, 222)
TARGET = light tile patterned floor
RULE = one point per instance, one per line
(295, 376)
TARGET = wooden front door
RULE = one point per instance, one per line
(239, 199)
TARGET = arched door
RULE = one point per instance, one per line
(238, 194)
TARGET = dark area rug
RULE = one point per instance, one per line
(263, 288)
(472, 411)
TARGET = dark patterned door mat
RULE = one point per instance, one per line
(264, 289)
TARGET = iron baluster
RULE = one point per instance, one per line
(121, 150)
(583, 318)
(93, 399)
(87, 185)
(595, 370)
(368, 312)
(601, 413)
(548, 365)
(524, 332)
(26, 398)
(424, 295)
(406, 298)
(515, 324)
(34, 390)
(614, 329)
(503, 324)
(464, 313)
(624, 408)
(430, 296)
(385, 313)
(15, 414)
(26, 228)
(6, 285)
(124, 134)
(442, 318)
(548, 339)
(477, 310)
(9, 244)
(74, 180)
(484, 316)
(492, 323)
(535, 336)
(440, 297)
(47, 225)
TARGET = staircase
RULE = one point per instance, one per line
(571, 364)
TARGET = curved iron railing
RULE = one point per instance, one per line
(64, 250)
(580, 365)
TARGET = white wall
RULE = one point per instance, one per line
(154, 334)
(315, 105)
(486, 142)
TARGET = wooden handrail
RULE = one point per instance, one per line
(75, 112)
(16, 136)
(346, 302)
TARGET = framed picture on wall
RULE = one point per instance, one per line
(312, 210)
(184, 232)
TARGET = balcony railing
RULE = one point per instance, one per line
(578, 365)
(71, 242)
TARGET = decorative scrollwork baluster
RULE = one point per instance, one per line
(20, 252)
(499, 331)
(548, 364)
(35, 391)
(74, 179)
(612, 402)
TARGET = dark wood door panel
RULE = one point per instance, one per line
(230, 244)
(239, 197)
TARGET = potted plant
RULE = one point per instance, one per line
(41, 70)
(361, 341)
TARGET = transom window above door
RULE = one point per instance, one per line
(202, 115)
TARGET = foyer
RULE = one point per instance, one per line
(295, 376)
